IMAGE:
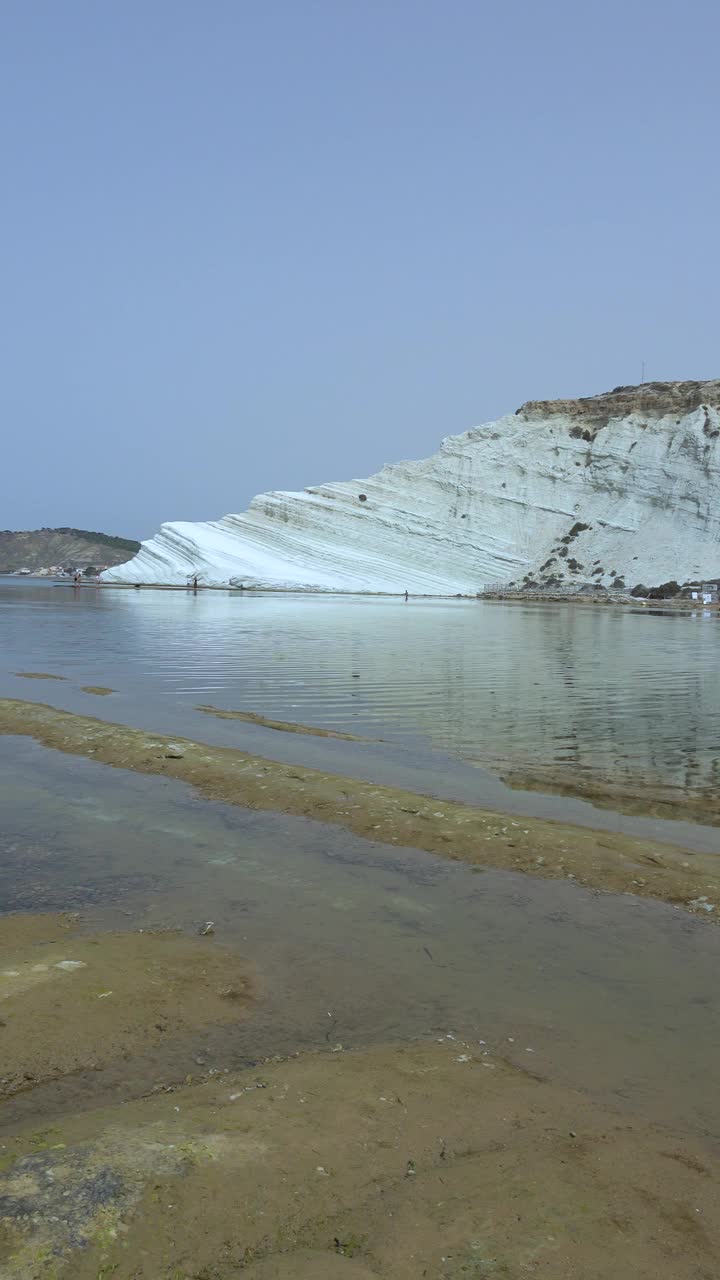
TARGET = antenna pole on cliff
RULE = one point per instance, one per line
(642, 373)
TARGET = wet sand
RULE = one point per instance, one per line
(284, 726)
(38, 675)
(644, 799)
(598, 859)
(434, 1160)
(448, 1158)
(72, 1003)
(687, 804)
(609, 991)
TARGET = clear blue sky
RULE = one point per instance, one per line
(262, 245)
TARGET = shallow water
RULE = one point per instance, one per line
(354, 942)
(632, 697)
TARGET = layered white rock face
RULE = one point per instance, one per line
(630, 480)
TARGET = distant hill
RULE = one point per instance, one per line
(42, 548)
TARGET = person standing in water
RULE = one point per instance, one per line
(195, 583)
(406, 594)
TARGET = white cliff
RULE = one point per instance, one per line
(619, 486)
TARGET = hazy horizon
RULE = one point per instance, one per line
(253, 248)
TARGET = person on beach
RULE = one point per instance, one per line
(195, 583)
(407, 597)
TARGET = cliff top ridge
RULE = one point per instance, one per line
(652, 398)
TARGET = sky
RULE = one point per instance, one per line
(250, 246)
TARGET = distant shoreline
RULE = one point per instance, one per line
(622, 598)
(491, 597)
(267, 591)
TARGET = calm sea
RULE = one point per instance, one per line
(561, 692)
(351, 940)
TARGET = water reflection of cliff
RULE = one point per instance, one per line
(567, 696)
(567, 693)
(593, 700)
